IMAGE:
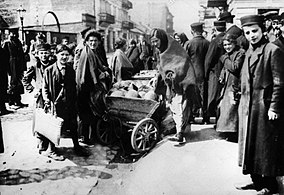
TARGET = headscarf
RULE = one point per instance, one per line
(88, 66)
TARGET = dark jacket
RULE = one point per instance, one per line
(133, 55)
(145, 55)
(197, 48)
(280, 42)
(262, 84)
(35, 73)
(17, 65)
(53, 83)
(212, 70)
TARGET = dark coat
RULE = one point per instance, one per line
(280, 42)
(133, 55)
(197, 49)
(35, 73)
(262, 84)
(212, 71)
(52, 84)
(4, 65)
(145, 55)
(227, 120)
(17, 65)
(91, 84)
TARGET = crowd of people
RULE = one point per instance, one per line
(237, 76)
(240, 77)
(67, 74)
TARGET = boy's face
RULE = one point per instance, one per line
(253, 33)
(62, 57)
(43, 55)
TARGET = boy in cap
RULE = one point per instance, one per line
(35, 72)
(196, 49)
(261, 111)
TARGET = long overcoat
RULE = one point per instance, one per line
(212, 71)
(17, 65)
(261, 140)
(227, 120)
(197, 48)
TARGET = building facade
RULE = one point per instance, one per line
(153, 15)
(210, 9)
(59, 18)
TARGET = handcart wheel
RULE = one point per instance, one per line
(145, 135)
(105, 132)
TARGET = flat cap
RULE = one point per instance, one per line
(252, 19)
(225, 15)
(43, 47)
(275, 18)
(83, 32)
(219, 23)
(234, 30)
(269, 15)
(197, 26)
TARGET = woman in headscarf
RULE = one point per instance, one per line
(93, 79)
(232, 61)
(182, 39)
(176, 80)
(120, 65)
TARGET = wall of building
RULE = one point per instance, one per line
(247, 7)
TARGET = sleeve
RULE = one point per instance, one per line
(28, 77)
(234, 66)
(45, 87)
(77, 55)
(277, 70)
(209, 58)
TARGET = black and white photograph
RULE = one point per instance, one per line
(135, 97)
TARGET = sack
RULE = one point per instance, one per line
(48, 125)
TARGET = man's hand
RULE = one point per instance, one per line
(29, 88)
(272, 115)
(47, 106)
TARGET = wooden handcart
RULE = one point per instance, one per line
(139, 116)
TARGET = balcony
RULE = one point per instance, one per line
(217, 3)
(106, 19)
(127, 25)
(126, 4)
